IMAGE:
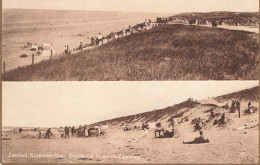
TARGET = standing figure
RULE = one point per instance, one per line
(65, 49)
(92, 40)
(61, 132)
(222, 120)
(67, 131)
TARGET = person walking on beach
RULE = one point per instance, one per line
(80, 46)
(145, 132)
(61, 132)
(97, 41)
(68, 49)
(73, 131)
(65, 49)
(124, 33)
(67, 131)
(92, 40)
(86, 131)
(222, 120)
(48, 133)
(249, 104)
(80, 131)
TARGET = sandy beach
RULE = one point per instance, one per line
(58, 33)
(227, 145)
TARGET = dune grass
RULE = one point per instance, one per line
(251, 94)
(243, 18)
(169, 52)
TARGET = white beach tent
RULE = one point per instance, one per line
(152, 125)
(47, 50)
(100, 37)
(35, 47)
(105, 126)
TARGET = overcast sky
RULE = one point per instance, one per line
(72, 103)
(171, 6)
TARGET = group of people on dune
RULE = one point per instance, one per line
(214, 23)
(124, 32)
(95, 40)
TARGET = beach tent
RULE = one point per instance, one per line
(175, 121)
(35, 47)
(100, 37)
(47, 50)
(105, 126)
(152, 125)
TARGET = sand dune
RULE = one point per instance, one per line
(227, 145)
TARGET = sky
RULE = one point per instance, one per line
(51, 104)
(165, 6)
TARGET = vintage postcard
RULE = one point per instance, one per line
(130, 81)
(140, 40)
(194, 122)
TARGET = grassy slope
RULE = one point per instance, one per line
(170, 52)
(247, 94)
(242, 18)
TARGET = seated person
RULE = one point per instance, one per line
(168, 134)
(197, 126)
(198, 140)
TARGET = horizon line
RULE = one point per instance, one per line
(92, 10)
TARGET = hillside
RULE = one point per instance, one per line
(243, 18)
(186, 110)
(169, 52)
(251, 94)
(165, 114)
(155, 115)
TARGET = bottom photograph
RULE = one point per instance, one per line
(155, 122)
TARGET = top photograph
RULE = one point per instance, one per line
(134, 40)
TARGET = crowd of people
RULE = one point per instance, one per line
(95, 40)
(235, 104)
(81, 131)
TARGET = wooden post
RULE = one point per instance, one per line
(4, 67)
(32, 59)
(51, 54)
(238, 110)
